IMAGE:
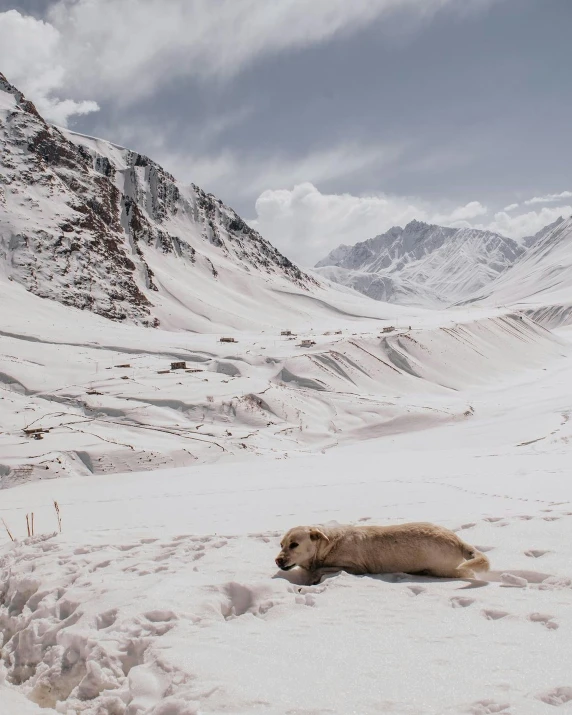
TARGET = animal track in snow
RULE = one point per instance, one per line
(461, 601)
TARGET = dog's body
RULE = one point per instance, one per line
(416, 548)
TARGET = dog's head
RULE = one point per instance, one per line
(299, 547)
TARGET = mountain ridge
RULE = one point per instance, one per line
(540, 282)
(421, 262)
(83, 221)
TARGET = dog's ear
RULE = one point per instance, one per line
(316, 534)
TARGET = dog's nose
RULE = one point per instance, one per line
(279, 561)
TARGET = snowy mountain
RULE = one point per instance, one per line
(540, 282)
(529, 241)
(422, 263)
(105, 229)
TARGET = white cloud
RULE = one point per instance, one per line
(525, 224)
(549, 198)
(124, 50)
(306, 224)
(461, 214)
(29, 57)
(511, 207)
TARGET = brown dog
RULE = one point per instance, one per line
(417, 548)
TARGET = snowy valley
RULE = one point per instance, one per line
(185, 394)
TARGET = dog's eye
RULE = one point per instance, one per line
(293, 545)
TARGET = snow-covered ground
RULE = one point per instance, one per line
(161, 597)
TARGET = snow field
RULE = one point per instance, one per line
(161, 596)
(197, 624)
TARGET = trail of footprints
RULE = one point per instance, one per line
(22, 600)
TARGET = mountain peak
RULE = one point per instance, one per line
(415, 225)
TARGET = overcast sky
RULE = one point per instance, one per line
(320, 121)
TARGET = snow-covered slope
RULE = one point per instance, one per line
(540, 283)
(422, 264)
(529, 241)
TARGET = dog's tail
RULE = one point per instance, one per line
(475, 559)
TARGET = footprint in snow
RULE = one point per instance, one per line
(159, 616)
(546, 620)
(307, 600)
(416, 590)
(556, 696)
(509, 579)
(487, 707)
(492, 614)
(461, 602)
(106, 619)
(101, 565)
(536, 553)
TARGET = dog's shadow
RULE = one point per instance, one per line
(299, 577)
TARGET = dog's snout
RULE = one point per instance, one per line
(280, 561)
